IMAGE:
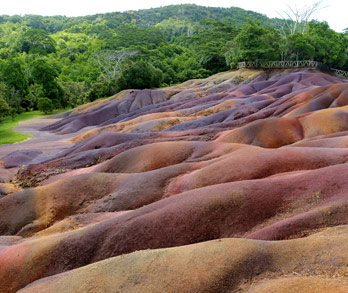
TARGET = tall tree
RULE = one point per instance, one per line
(300, 47)
(296, 19)
(255, 42)
(46, 75)
(111, 63)
(4, 109)
(329, 45)
(140, 75)
(37, 41)
(12, 72)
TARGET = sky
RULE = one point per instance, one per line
(334, 11)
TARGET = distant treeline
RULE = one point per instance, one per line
(72, 60)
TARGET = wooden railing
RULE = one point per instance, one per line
(340, 72)
(289, 64)
(279, 64)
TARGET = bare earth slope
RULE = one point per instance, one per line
(233, 183)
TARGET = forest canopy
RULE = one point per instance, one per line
(73, 60)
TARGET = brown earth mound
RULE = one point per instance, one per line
(233, 183)
(217, 266)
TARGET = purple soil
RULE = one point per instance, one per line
(19, 158)
(264, 160)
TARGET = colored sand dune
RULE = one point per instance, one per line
(233, 183)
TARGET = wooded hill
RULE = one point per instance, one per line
(73, 60)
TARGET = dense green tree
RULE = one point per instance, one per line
(131, 36)
(345, 40)
(174, 27)
(211, 57)
(299, 47)
(35, 21)
(76, 93)
(15, 19)
(100, 89)
(111, 63)
(11, 96)
(37, 41)
(46, 75)
(12, 72)
(45, 105)
(140, 75)
(4, 109)
(35, 92)
(255, 43)
(329, 45)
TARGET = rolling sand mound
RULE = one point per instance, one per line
(234, 183)
(217, 266)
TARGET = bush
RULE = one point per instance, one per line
(13, 113)
(4, 109)
(140, 75)
(101, 89)
(45, 105)
(75, 93)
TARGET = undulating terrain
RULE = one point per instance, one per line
(237, 182)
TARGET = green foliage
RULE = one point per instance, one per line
(37, 41)
(129, 36)
(7, 135)
(45, 74)
(76, 93)
(10, 95)
(45, 105)
(12, 72)
(299, 47)
(72, 60)
(35, 92)
(211, 57)
(345, 40)
(4, 109)
(255, 43)
(174, 27)
(13, 113)
(329, 45)
(140, 75)
(100, 89)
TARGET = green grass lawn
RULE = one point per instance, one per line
(7, 135)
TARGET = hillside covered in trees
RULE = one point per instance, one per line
(55, 62)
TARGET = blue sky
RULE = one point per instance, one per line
(334, 12)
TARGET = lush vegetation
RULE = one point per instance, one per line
(7, 134)
(316, 42)
(56, 62)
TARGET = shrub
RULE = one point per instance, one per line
(45, 105)
(140, 75)
(4, 109)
